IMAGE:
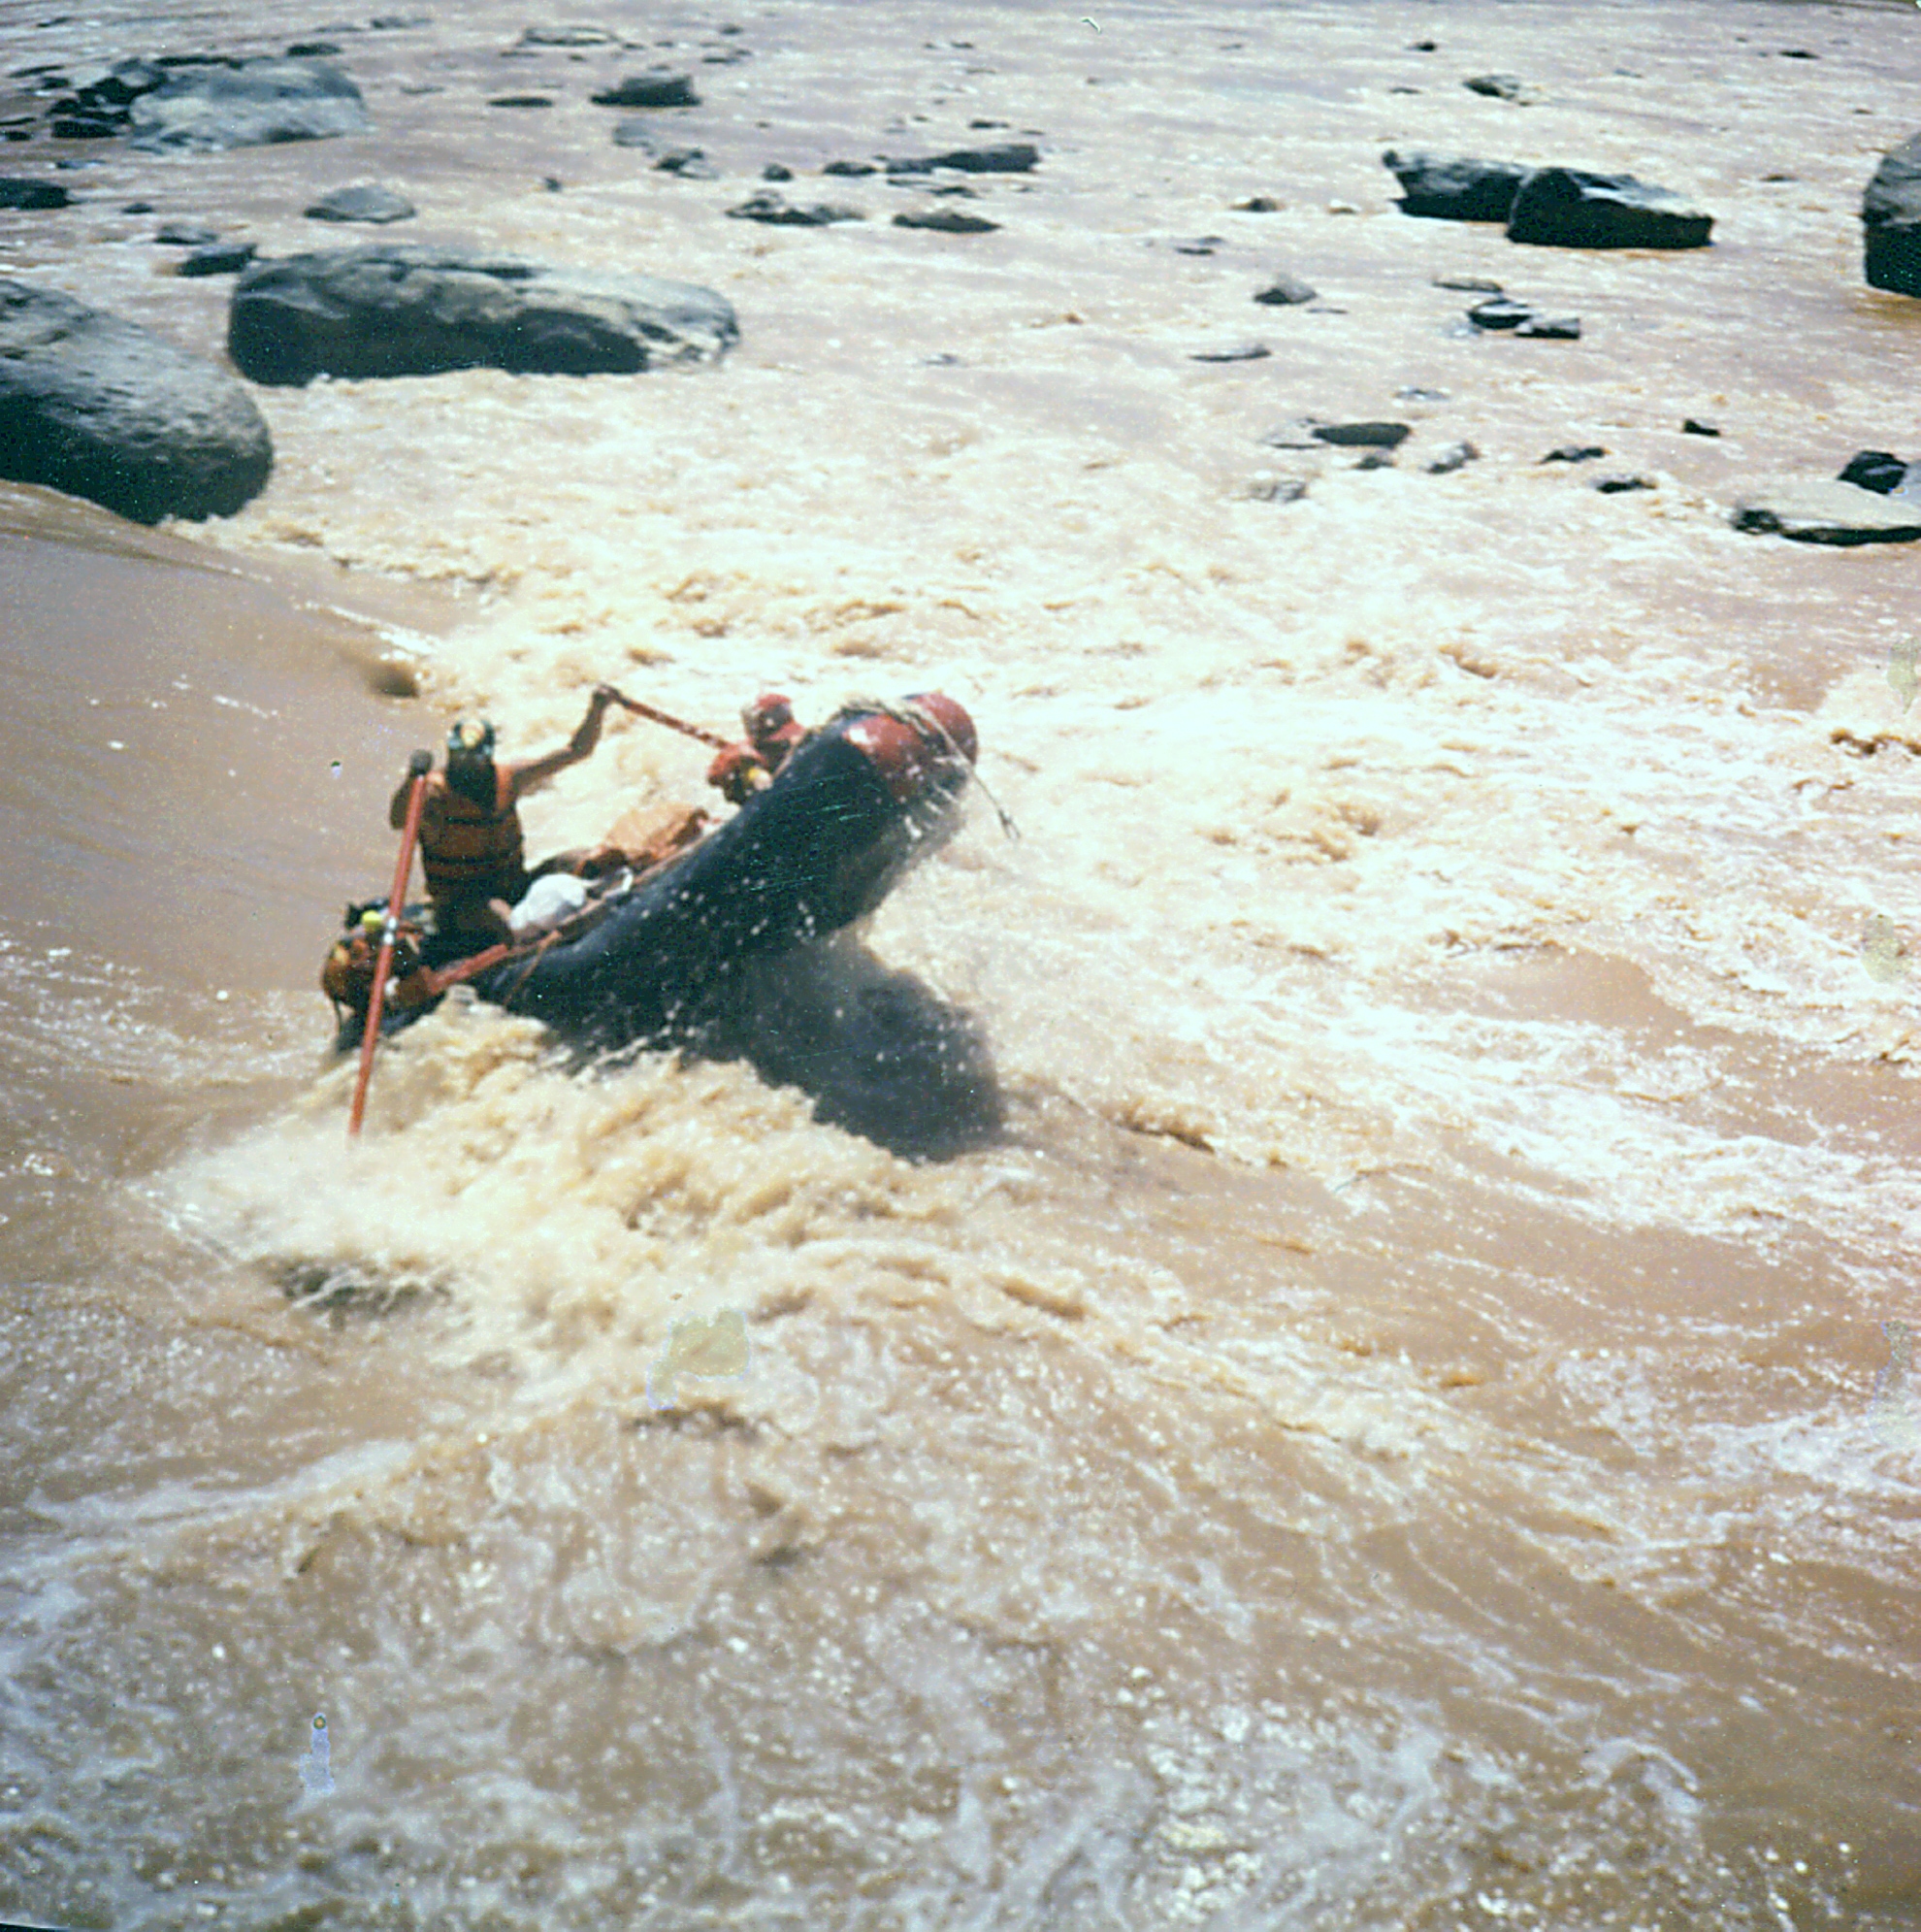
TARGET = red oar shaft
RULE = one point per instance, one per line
(672, 723)
(396, 901)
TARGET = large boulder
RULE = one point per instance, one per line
(249, 105)
(1833, 514)
(1454, 188)
(1891, 221)
(1568, 208)
(416, 311)
(101, 409)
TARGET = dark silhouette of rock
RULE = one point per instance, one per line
(1496, 87)
(1007, 157)
(521, 101)
(365, 201)
(313, 50)
(1831, 514)
(1198, 244)
(774, 210)
(1468, 284)
(1501, 312)
(1285, 292)
(651, 91)
(185, 235)
(102, 409)
(248, 106)
(1692, 426)
(776, 171)
(1258, 204)
(16, 191)
(1568, 208)
(1456, 188)
(1363, 436)
(1881, 472)
(219, 258)
(1613, 486)
(1233, 353)
(691, 164)
(851, 168)
(1891, 221)
(1575, 452)
(393, 309)
(946, 222)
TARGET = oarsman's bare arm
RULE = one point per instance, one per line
(523, 778)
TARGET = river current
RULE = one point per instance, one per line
(1408, 1421)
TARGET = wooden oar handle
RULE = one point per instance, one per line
(419, 767)
(668, 719)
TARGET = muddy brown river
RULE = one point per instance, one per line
(1408, 1423)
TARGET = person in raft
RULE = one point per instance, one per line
(748, 765)
(471, 848)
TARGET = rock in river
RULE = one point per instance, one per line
(101, 409)
(1820, 513)
(248, 106)
(20, 191)
(1285, 291)
(416, 311)
(1891, 221)
(651, 91)
(1882, 471)
(946, 221)
(1568, 208)
(1454, 188)
(365, 201)
(778, 213)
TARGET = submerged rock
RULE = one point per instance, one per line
(946, 221)
(1569, 207)
(1455, 188)
(16, 191)
(777, 212)
(1891, 221)
(1009, 157)
(1455, 456)
(249, 105)
(1285, 292)
(102, 409)
(1496, 87)
(1363, 436)
(365, 201)
(415, 311)
(219, 258)
(1232, 352)
(1831, 513)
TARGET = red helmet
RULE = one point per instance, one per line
(767, 714)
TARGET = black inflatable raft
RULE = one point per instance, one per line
(857, 804)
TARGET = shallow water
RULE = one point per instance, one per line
(1403, 1424)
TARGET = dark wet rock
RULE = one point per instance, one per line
(691, 164)
(1693, 426)
(1501, 312)
(220, 259)
(1830, 514)
(389, 23)
(185, 235)
(1795, 54)
(1891, 221)
(1198, 244)
(1575, 452)
(1404, 90)
(1285, 292)
(638, 134)
(946, 221)
(1569, 207)
(776, 171)
(948, 190)
(1880, 471)
(851, 168)
(1277, 489)
(87, 128)
(1412, 392)
(1375, 459)
(105, 410)
(249, 105)
(520, 100)
(651, 91)
(394, 310)
(1614, 486)
(552, 183)
(24, 193)
(364, 201)
(138, 207)
(1551, 328)
(777, 212)
(1232, 352)
(1423, 46)
(1007, 157)
(1456, 188)
(1496, 87)
(1455, 456)
(1258, 204)
(1468, 284)
(313, 50)
(1363, 436)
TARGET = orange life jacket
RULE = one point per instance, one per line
(468, 852)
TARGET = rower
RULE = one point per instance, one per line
(748, 766)
(471, 846)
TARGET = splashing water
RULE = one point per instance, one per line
(1895, 1412)
(700, 1345)
(315, 1771)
